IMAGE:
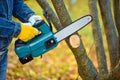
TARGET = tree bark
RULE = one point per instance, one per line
(113, 74)
(116, 5)
(53, 17)
(101, 57)
(110, 31)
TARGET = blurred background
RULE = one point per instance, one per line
(59, 63)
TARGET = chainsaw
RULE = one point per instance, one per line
(47, 40)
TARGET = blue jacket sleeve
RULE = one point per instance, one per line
(21, 11)
(9, 28)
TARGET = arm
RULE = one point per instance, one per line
(13, 29)
(9, 28)
(22, 11)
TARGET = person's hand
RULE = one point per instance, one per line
(34, 18)
(27, 32)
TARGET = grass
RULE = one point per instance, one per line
(57, 64)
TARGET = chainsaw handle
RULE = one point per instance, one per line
(23, 49)
(19, 43)
(37, 23)
(42, 26)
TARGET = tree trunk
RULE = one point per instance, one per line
(110, 31)
(85, 65)
(116, 5)
(102, 63)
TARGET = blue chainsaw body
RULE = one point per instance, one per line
(36, 46)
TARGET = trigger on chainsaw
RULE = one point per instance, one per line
(41, 56)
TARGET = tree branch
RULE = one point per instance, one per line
(85, 67)
(110, 31)
(102, 63)
(116, 5)
(45, 6)
(113, 74)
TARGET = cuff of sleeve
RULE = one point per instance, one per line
(17, 29)
(29, 16)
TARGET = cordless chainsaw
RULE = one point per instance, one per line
(47, 40)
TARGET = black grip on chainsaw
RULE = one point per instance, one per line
(37, 23)
(19, 43)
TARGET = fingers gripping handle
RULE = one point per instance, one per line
(19, 42)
